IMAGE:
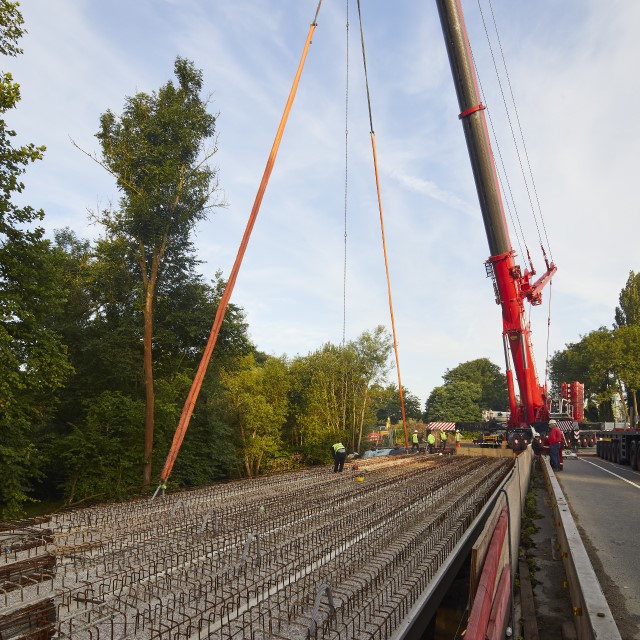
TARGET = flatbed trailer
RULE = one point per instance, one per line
(621, 446)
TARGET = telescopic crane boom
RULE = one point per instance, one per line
(511, 285)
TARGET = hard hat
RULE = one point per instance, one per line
(552, 422)
(415, 431)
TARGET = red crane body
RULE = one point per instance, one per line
(512, 286)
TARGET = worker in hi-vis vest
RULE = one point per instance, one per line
(431, 441)
(443, 439)
(339, 454)
(415, 441)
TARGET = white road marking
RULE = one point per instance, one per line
(633, 484)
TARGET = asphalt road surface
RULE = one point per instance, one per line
(605, 501)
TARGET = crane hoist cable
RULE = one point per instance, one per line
(190, 402)
(346, 200)
(511, 127)
(384, 242)
(517, 115)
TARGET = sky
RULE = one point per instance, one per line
(572, 71)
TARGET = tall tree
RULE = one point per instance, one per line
(157, 150)
(455, 401)
(388, 404)
(595, 361)
(331, 395)
(372, 350)
(33, 361)
(492, 382)
(628, 312)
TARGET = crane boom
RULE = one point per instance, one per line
(511, 285)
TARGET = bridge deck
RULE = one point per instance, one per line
(249, 559)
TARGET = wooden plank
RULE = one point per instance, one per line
(479, 552)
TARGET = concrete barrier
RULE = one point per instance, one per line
(592, 616)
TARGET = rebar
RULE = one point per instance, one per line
(155, 570)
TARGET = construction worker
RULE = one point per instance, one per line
(339, 454)
(443, 439)
(555, 440)
(431, 441)
(415, 441)
(458, 438)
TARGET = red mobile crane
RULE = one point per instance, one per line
(512, 286)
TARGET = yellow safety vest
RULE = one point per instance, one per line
(337, 446)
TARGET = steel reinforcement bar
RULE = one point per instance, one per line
(303, 554)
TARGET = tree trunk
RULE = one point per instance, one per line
(364, 407)
(149, 422)
(148, 388)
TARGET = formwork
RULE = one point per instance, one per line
(306, 554)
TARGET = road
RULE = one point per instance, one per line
(605, 501)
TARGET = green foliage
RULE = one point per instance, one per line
(493, 383)
(594, 361)
(255, 399)
(33, 359)
(454, 402)
(607, 361)
(468, 389)
(335, 393)
(102, 459)
(628, 313)
(387, 399)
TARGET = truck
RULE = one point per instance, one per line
(620, 445)
(513, 286)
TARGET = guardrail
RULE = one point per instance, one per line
(592, 616)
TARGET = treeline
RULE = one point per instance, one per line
(607, 361)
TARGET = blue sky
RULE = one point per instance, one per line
(572, 70)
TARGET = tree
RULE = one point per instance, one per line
(317, 401)
(157, 152)
(33, 361)
(629, 364)
(388, 405)
(372, 351)
(331, 393)
(628, 312)
(594, 361)
(492, 382)
(456, 401)
(256, 405)
(94, 450)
